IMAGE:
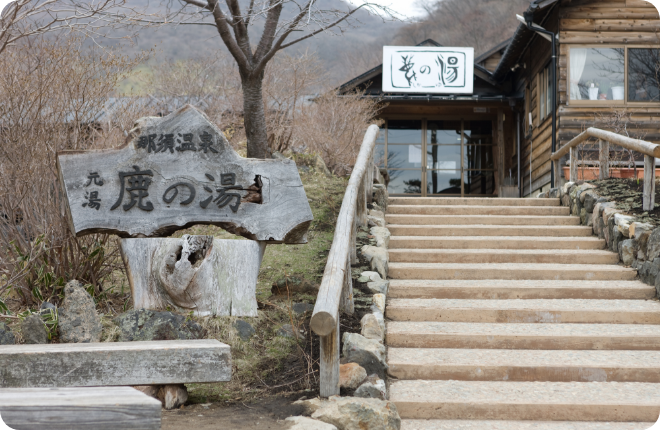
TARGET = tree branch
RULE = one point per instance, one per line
(270, 29)
(225, 34)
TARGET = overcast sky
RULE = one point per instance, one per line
(407, 8)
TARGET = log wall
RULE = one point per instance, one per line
(584, 22)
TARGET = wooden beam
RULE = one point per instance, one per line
(114, 363)
(646, 148)
(649, 183)
(79, 408)
(574, 164)
(329, 364)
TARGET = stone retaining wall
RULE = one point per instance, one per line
(637, 243)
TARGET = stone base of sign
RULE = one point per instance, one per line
(194, 273)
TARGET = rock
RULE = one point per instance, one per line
(355, 413)
(78, 321)
(368, 353)
(379, 287)
(47, 308)
(301, 308)
(553, 193)
(382, 236)
(304, 423)
(653, 245)
(380, 196)
(583, 216)
(244, 329)
(566, 200)
(33, 330)
(371, 327)
(373, 388)
(145, 324)
(590, 201)
(378, 257)
(171, 396)
(376, 213)
(380, 316)
(379, 302)
(544, 195)
(623, 223)
(648, 271)
(637, 228)
(627, 251)
(370, 277)
(288, 331)
(6, 335)
(565, 189)
(642, 242)
(294, 284)
(351, 375)
(375, 222)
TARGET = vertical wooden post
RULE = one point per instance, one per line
(347, 303)
(557, 167)
(574, 164)
(649, 183)
(604, 158)
(329, 364)
(500, 151)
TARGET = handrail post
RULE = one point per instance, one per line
(649, 183)
(557, 168)
(329, 364)
(574, 164)
(604, 159)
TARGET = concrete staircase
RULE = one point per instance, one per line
(506, 314)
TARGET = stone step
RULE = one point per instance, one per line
(495, 242)
(489, 230)
(478, 210)
(546, 401)
(466, 256)
(472, 201)
(115, 363)
(79, 408)
(572, 311)
(405, 334)
(518, 425)
(481, 219)
(519, 289)
(524, 365)
(590, 272)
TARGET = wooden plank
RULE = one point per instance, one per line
(194, 274)
(649, 183)
(79, 408)
(595, 12)
(114, 363)
(155, 185)
(620, 37)
(604, 159)
(326, 310)
(574, 164)
(610, 25)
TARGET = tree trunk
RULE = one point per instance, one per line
(254, 117)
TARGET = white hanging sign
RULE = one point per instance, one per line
(436, 70)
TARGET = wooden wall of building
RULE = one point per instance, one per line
(584, 22)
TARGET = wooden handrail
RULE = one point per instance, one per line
(650, 150)
(646, 148)
(336, 287)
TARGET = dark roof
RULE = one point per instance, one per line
(521, 40)
(500, 46)
(376, 70)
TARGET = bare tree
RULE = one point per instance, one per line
(277, 21)
(21, 19)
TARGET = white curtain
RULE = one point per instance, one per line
(578, 61)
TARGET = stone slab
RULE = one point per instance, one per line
(524, 365)
(489, 230)
(481, 219)
(518, 425)
(543, 401)
(477, 210)
(79, 408)
(464, 256)
(178, 171)
(472, 201)
(495, 242)
(114, 363)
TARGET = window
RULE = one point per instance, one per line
(545, 93)
(614, 75)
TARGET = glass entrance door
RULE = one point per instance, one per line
(458, 157)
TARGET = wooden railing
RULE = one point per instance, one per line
(337, 286)
(650, 150)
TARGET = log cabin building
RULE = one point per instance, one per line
(497, 139)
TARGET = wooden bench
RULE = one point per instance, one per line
(98, 408)
(114, 363)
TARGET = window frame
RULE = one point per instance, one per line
(607, 103)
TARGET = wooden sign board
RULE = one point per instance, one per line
(178, 171)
